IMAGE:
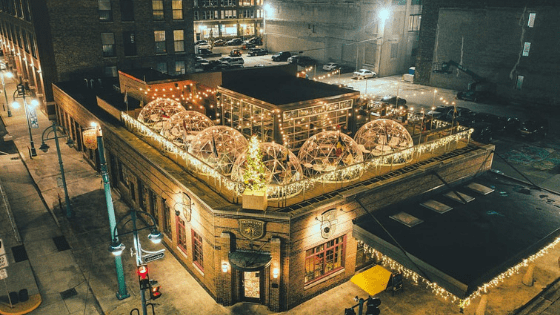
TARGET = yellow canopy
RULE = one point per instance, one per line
(373, 280)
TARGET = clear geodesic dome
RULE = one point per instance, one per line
(156, 112)
(327, 151)
(219, 147)
(282, 166)
(183, 127)
(383, 136)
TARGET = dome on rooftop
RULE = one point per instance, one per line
(383, 136)
(219, 147)
(184, 126)
(158, 111)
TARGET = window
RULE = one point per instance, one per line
(228, 3)
(519, 83)
(108, 42)
(111, 71)
(129, 43)
(157, 7)
(177, 6)
(179, 40)
(324, 259)
(526, 48)
(105, 12)
(179, 67)
(531, 22)
(198, 256)
(159, 37)
(195, 3)
(144, 196)
(181, 235)
(362, 257)
(25, 39)
(166, 219)
(414, 22)
(154, 208)
(416, 2)
(196, 16)
(127, 10)
(161, 67)
(394, 50)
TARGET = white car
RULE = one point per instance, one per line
(331, 66)
(204, 45)
(364, 73)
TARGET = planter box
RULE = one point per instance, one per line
(255, 200)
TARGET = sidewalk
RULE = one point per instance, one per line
(80, 278)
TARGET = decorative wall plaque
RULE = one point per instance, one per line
(328, 223)
(251, 229)
(184, 209)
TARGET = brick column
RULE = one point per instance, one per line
(275, 266)
(223, 279)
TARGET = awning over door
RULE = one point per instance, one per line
(246, 260)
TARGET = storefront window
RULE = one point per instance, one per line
(324, 259)
(248, 118)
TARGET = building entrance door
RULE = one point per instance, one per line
(252, 286)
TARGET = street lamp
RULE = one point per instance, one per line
(8, 75)
(21, 90)
(44, 147)
(155, 236)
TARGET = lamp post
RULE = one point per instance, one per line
(155, 236)
(122, 293)
(21, 90)
(44, 147)
(8, 75)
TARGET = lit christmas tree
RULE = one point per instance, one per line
(255, 171)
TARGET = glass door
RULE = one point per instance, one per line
(252, 286)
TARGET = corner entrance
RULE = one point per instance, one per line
(251, 286)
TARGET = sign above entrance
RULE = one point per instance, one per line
(251, 229)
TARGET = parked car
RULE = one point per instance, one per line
(533, 129)
(466, 118)
(461, 111)
(232, 62)
(440, 111)
(235, 53)
(247, 45)
(203, 45)
(498, 122)
(214, 65)
(293, 59)
(482, 132)
(392, 99)
(306, 61)
(204, 52)
(257, 52)
(234, 42)
(219, 42)
(281, 56)
(364, 74)
(254, 41)
(200, 62)
(475, 96)
(331, 66)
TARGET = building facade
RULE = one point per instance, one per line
(505, 45)
(51, 41)
(302, 244)
(215, 19)
(349, 32)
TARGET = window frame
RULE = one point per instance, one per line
(157, 43)
(167, 222)
(197, 249)
(158, 12)
(177, 11)
(179, 43)
(181, 233)
(106, 46)
(321, 251)
(129, 44)
(100, 10)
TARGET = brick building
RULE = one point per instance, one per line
(508, 45)
(303, 243)
(349, 32)
(51, 41)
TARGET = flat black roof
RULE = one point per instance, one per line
(283, 89)
(473, 243)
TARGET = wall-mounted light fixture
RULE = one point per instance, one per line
(225, 266)
(275, 273)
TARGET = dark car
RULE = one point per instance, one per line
(392, 99)
(281, 56)
(533, 129)
(254, 41)
(248, 45)
(234, 42)
(257, 52)
(235, 53)
(498, 122)
(219, 42)
(214, 65)
(457, 112)
(204, 52)
(201, 62)
(482, 132)
(475, 96)
(439, 112)
(306, 61)
(466, 118)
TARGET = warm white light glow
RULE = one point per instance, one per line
(383, 14)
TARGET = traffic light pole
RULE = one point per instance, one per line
(138, 259)
(122, 292)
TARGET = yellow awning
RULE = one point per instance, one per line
(373, 280)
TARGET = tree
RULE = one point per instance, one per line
(255, 171)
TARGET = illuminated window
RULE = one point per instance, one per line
(179, 40)
(108, 42)
(526, 48)
(177, 6)
(179, 67)
(519, 83)
(166, 219)
(159, 37)
(414, 22)
(181, 235)
(198, 255)
(324, 259)
(105, 12)
(157, 7)
(531, 22)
